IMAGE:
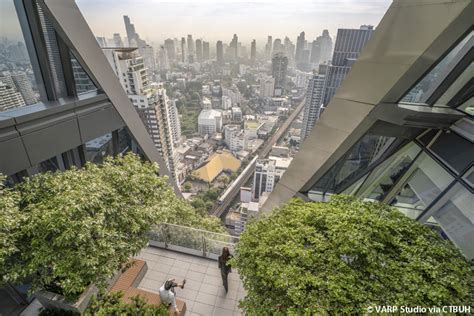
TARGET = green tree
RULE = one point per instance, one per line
(340, 257)
(187, 186)
(66, 230)
(112, 304)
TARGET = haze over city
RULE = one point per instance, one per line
(214, 20)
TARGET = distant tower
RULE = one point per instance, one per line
(118, 40)
(321, 48)
(170, 49)
(279, 73)
(349, 44)
(183, 49)
(190, 48)
(253, 52)
(278, 47)
(233, 46)
(199, 50)
(299, 54)
(314, 102)
(205, 51)
(268, 47)
(130, 29)
(220, 53)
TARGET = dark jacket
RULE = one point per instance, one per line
(224, 265)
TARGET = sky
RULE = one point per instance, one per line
(156, 20)
(212, 20)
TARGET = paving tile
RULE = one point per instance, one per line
(198, 268)
(189, 305)
(234, 276)
(205, 298)
(201, 261)
(232, 294)
(166, 260)
(214, 271)
(158, 276)
(192, 284)
(148, 284)
(202, 309)
(184, 257)
(226, 303)
(183, 265)
(193, 275)
(150, 257)
(222, 312)
(209, 279)
(187, 294)
(176, 271)
(209, 289)
(238, 313)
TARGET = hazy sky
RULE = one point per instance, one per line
(212, 20)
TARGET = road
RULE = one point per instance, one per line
(231, 192)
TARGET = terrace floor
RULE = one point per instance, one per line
(203, 292)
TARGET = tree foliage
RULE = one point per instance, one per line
(112, 304)
(343, 256)
(66, 230)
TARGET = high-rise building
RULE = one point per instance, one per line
(148, 54)
(372, 144)
(131, 34)
(267, 173)
(191, 52)
(220, 53)
(102, 41)
(253, 52)
(267, 87)
(349, 44)
(199, 50)
(279, 73)
(175, 123)
(300, 40)
(163, 60)
(183, 49)
(234, 52)
(278, 46)
(19, 80)
(268, 47)
(314, 103)
(321, 49)
(150, 100)
(118, 40)
(206, 54)
(10, 97)
(170, 49)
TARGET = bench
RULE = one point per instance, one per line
(129, 280)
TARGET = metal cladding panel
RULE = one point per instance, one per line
(50, 141)
(74, 30)
(411, 37)
(98, 123)
(13, 157)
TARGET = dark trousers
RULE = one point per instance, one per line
(224, 280)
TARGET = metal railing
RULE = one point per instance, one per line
(190, 240)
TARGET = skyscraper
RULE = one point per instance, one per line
(149, 100)
(268, 47)
(206, 55)
(130, 29)
(233, 47)
(278, 46)
(190, 43)
(118, 40)
(220, 53)
(349, 44)
(300, 40)
(163, 60)
(10, 97)
(170, 49)
(23, 85)
(279, 73)
(253, 52)
(199, 50)
(183, 49)
(314, 102)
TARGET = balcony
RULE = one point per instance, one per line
(182, 252)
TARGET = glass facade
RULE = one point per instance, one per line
(18, 85)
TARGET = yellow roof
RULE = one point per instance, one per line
(215, 165)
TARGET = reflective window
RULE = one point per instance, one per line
(51, 164)
(97, 149)
(81, 79)
(420, 185)
(124, 141)
(469, 177)
(455, 215)
(18, 86)
(382, 179)
(367, 151)
(454, 150)
(423, 90)
(468, 106)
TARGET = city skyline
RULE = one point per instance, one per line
(212, 20)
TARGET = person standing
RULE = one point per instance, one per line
(224, 266)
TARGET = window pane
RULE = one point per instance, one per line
(99, 148)
(81, 79)
(423, 90)
(367, 151)
(420, 186)
(456, 151)
(383, 178)
(455, 215)
(17, 81)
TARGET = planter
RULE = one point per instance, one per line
(56, 301)
(51, 300)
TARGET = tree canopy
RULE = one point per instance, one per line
(343, 256)
(66, 230)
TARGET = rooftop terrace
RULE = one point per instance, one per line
(203, 292)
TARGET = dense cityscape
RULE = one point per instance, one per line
(240, 128)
